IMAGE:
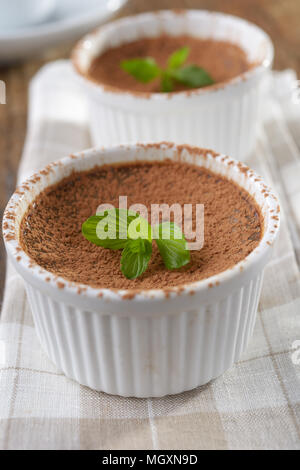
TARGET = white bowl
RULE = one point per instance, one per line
(151, 344)
(69, 21)
(224, 117)
(21, 13)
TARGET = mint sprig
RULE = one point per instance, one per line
(120, 229)
(146, 69)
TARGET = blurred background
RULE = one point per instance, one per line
(59, 24)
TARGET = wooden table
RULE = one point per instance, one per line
(279, 18)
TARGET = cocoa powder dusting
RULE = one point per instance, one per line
(51, 228)
(222, 59)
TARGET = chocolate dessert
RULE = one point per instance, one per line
(51, 229)
(223, 61)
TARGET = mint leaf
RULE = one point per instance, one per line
(139, 228)
(135, 257)
(178, 58)
(143, 70)
(109, 229)
(172, 245)
(192, 76)
(166, 83)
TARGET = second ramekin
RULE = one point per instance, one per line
(148, 344)
(223, 117)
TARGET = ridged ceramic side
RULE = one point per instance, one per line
(223, 117)
(152, 344)
(142, 357)
(222, 124)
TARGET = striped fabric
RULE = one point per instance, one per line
(255, 405)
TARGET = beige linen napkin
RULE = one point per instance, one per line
(255, 405)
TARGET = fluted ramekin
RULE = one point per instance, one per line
(224, 117)
(148, 343)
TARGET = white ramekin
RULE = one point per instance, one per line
(224, 117)
(150, 344)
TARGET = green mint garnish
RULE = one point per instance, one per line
(178, 58)
(166, 83)
(172, 245)
(135, 257)
(146, 69)
(109, 228)
(117, 229)
(192, 75)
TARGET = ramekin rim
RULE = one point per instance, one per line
(111, 294)
(111, 90)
